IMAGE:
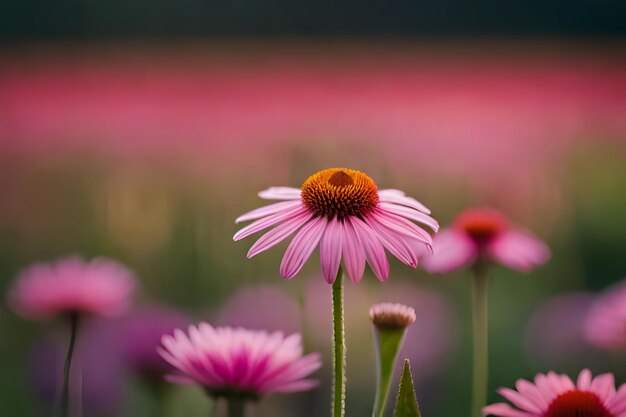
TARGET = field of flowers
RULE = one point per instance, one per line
(246, 228)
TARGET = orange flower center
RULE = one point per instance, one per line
(339, 192)
(577, 404)
(481, 224)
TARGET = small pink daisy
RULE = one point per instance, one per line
(343, 212)
(555, 395)
(605, 325)
(72, 285)
(235, 361)
(484, 234)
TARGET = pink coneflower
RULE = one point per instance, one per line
(71, 288)
(479, 237)
(72, 285)
(605, 325)
(228, 361)
(555, 395)
(343, 211)
(484, 234)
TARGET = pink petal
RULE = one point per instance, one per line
(452, 250)
(301, 368)
(504, 410)
(266, 211)
(168, 357)
(330, 250)
(411, 214)
(619, 410)
(617, 404)
(280, 193)
(584, 380)
(519, 400)
(566, 383)
(519, 250)
(393, 242)
(401, 225)
(604, 386)
(279, 233)
(353, 253)
(546, 388)
(302, 246)
(557, 382)
(399, 197)
(530, 391)
(297, 386)
(374, 251)
(268, 221)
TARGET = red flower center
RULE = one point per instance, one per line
(577, 404)
(481, 224)
(339, 192)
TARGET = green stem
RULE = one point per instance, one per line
(212, 406)
(339, 349)
(160, 394)
(236, 406)
(388, 343)
(63, 407)
(480, 286)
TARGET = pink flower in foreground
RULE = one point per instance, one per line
(555, 395)
(226, 360)
(484, 234)
(343, 212)
(605, 325)
(72, 285)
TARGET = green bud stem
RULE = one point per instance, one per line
(387, 342)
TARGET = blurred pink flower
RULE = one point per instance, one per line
(72, 285)
(226, 360)
(139, 333)
(484, 234)
(279, 312)
(343, 211)
(476, 118)
(605, 325)
(555, 395)
(555, 332)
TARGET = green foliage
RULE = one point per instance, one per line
(406, 404)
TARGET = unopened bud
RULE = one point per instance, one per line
(392, 315)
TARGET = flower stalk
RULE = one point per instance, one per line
(390, 324)
(480, 286)
(387, 342)
(63, 406)
(339, 349)
(236, 406)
